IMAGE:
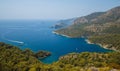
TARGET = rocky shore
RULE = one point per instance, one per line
(105, 46)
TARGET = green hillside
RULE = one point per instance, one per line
(14, 59)
(97, 24)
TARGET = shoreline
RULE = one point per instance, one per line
(61, 34)
(103, 46)
(89, 42)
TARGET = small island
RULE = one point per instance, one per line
(42, 54)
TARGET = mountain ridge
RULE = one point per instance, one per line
(96, 24)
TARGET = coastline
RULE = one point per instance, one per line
(61, 34)
(89, 42)
(103, 46)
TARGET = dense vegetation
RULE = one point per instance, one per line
(100, 27)
(86, 60)
(111, 41)
(95, 23)
(14, 59)
(76, 31)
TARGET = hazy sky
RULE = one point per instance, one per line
(52, 9)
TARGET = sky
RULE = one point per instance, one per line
(52, 9)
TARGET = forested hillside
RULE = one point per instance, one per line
(96, 25)
(14, 59)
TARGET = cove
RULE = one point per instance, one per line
(37, 35)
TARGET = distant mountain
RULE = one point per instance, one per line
(63, 23)
(100, 17)
(97, 24)
(88, 18)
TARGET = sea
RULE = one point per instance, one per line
(37, 35)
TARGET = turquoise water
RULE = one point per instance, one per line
(37, 35)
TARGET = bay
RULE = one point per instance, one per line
(37, 35)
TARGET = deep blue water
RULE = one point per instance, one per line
(37, 35)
